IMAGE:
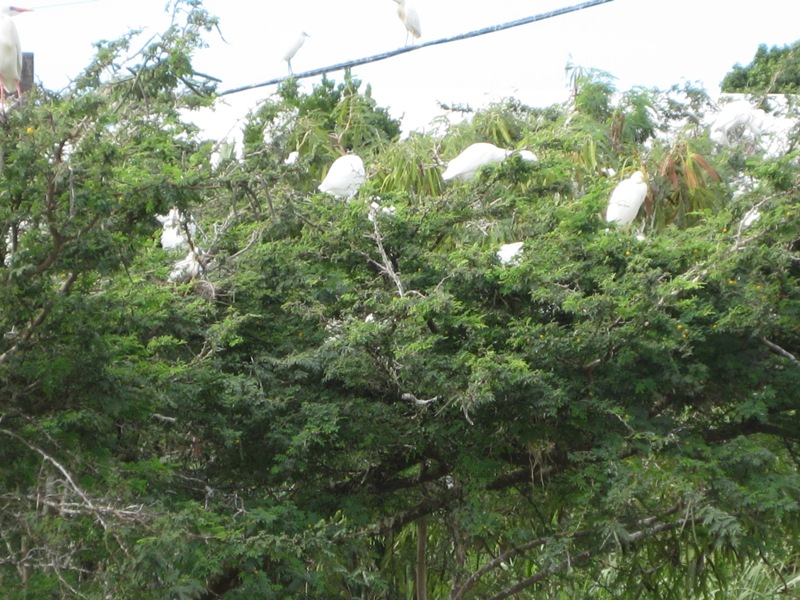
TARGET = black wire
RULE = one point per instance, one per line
(66, 4)
(461, 36)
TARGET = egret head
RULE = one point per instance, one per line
(13, 11)
(527, 156)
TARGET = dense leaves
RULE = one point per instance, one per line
(772, 71)
(359, 399)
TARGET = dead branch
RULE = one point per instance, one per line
(26, 334)
(386, 263)
(70, 481)
(780, 351)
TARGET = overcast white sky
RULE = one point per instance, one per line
(652, 43)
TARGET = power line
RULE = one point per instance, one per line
(461, 36)
(60, 4)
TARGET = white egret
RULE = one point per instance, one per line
(301, 39)
(186, 269)
(410, 19)
(626, 199)
(173, 236)
(10, 53)
(292, 158)
(750, 217)
(466, 165)
(734, 115)
(509, 253)
(344, 177)
(608, 171)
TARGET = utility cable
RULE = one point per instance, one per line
(462, 36)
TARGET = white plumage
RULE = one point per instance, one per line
(527, 156)
(465, 165)
(301, 39)
(410, 19)
(750, 217)
(509, 253)
(10, 53)
(734, 115)
(344, 177)
(626, 199)
(173, 235)
(186, 269)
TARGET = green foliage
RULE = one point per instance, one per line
(772, 71)
(342, 388)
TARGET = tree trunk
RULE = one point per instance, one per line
(420, 582)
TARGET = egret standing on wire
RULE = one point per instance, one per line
(626, 199)
(410, 19)
(10, 53)
(293, 50)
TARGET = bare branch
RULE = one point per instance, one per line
(780, 351)
(586, 555)
(26, 334)
(386, 265)
(88, 502)
(543, 574)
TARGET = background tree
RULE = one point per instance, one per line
(772, 71)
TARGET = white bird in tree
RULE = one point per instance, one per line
(187, 269)
(509, 254)
(410, 19)
(465, 166)
(175, 229)
(301, 39)
(626, 199)
(10, 53)
(750, 217)
(344, 177)
(527, 156)
(736, 116)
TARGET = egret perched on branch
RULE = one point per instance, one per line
(10, 53)
(750, 217)
(733, 116)
(626, 199)
(173, 235)
(410, 19)
(187, 269)
(301, 39)
(344, 177)
(509, 254)
(466, 165)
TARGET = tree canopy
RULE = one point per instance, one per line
(773, 70)
(359, 399)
